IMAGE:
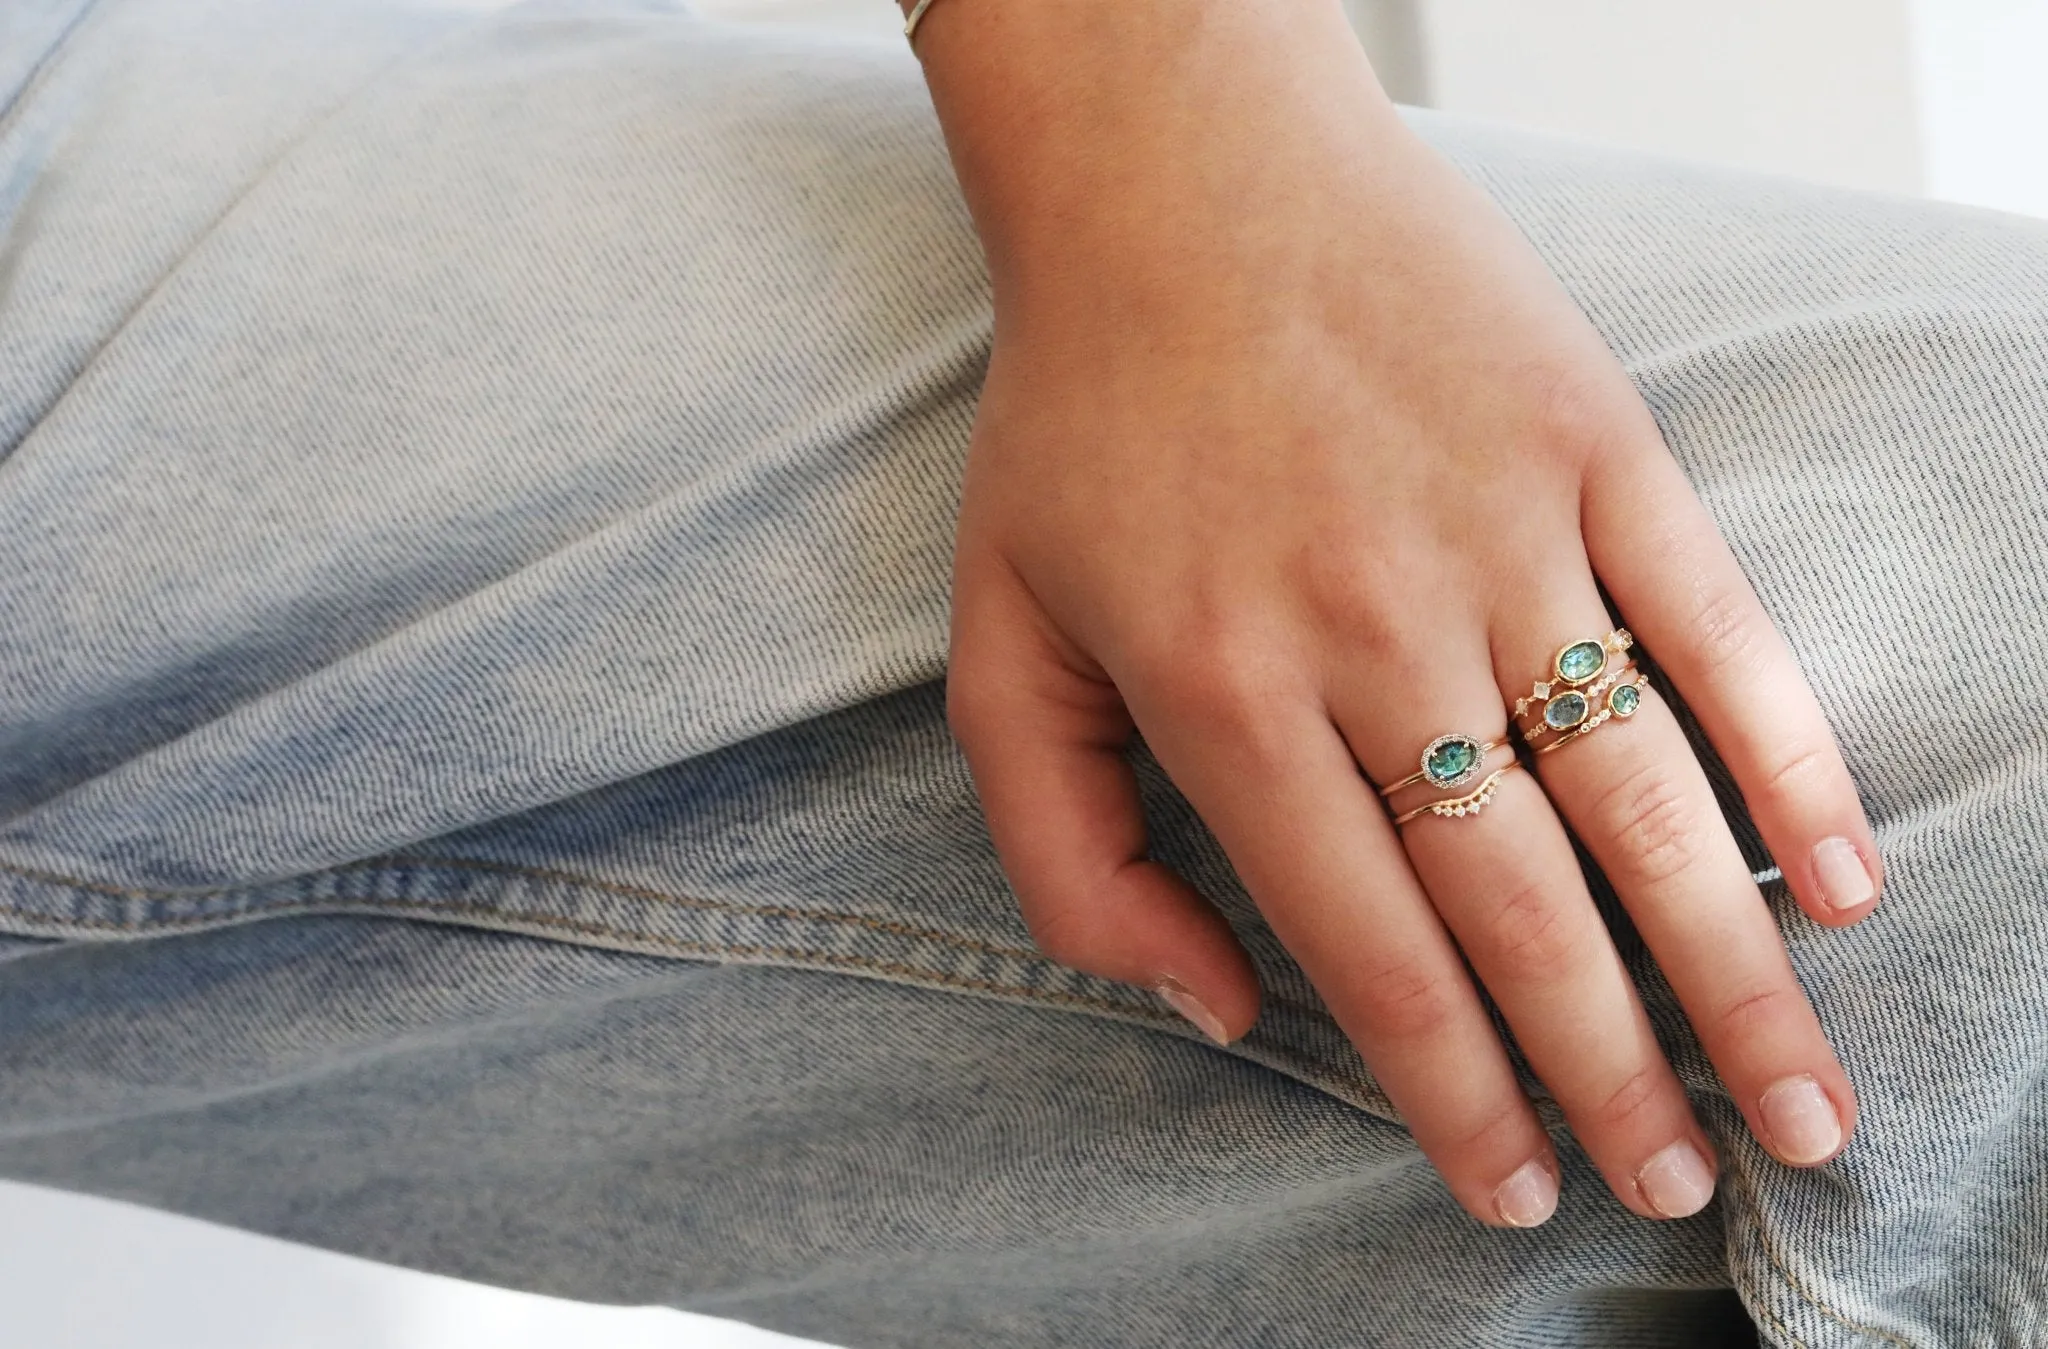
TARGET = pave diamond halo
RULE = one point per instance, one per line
(1452, 760)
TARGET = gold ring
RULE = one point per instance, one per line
(1622, 701)
(1449, 761)
(1575, 664)
(1565, 712)
(1469, 804)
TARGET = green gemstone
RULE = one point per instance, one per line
(1450, 759)
(1625, 700)
(1581, 661)
(1565, 711)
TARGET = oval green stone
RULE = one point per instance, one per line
(1564, 711)
(1625, 700)
(1581, 661)
(1450, 761)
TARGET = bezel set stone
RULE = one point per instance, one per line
(1476, 749)
(1566, 710)
(1577, 654)
(1579, 696)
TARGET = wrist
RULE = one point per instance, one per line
(1141, 140)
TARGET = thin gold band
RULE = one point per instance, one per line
(1591, 693)
(1613, 644)
(910, 23)
(1469, 804)
(1486, 747)
(1597, 720)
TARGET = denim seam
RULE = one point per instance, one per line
(1269, 1052)
(394, 861)
(1799, 1289)
(398, 863)
(778, 911)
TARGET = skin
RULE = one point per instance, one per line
(1293, 456)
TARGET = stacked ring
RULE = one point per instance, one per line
(1469, 804)
(1452, 761)
(1567, 704)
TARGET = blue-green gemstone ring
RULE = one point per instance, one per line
(1452, 760)
(1581, 662)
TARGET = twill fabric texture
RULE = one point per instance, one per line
(476, 497)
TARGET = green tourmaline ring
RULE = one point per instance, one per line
(1562, 694)
(1449, 761)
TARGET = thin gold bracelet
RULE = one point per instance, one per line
(916, 17)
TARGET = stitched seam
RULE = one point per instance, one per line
(672, 943)
(502, 919)
(394, 862)
(1807, 1295)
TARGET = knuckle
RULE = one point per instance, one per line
(1801, 773)
(1726, 629)
(1533, 935)
(1225, 682)
(1405, 1001)
(1580, 417)
(1350, 591)
(1753, 1011)
(1500, 1130)
(1068, 934)
(1628, 1102)
(1658, 827)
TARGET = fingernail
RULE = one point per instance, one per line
(1677, 1182)
(1527, 1198)
(1801, 1119)
(1838, 869)
(1188, 1005)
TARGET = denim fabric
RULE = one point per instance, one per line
(498, 470)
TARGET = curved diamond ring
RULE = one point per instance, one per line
(1469, 804)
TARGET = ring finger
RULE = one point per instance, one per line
(1506, 882)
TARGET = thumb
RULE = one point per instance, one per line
(1044, 734)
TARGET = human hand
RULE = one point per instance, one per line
(1293, 457)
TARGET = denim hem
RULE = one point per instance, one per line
(589, 911)
(1787, 1311)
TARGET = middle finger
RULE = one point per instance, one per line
(1507, 884)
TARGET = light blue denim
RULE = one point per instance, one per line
(477, 497)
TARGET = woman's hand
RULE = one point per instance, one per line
(1293, 457)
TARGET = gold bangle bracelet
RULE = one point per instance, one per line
(910, 23)
(1469, 804)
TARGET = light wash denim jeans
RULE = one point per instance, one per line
(474, 524)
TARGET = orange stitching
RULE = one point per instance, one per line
(687, 901)
(763, 910)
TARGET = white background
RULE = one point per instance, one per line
(1944, 97)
